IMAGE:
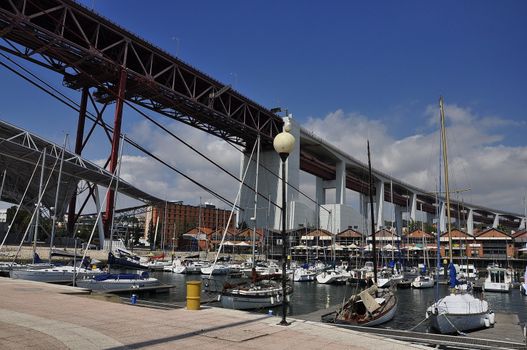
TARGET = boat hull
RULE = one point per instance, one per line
(523, 289)
(453, 323)
(117, 284)
(496, 287)
(249, 302)
(50, 276)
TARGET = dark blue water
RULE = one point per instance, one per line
(311, 296)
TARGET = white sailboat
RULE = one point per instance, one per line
(457, 312)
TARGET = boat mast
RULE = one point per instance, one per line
(55, 210)
(35, 234)
(255, 200)
(374, 251)
(445, 165)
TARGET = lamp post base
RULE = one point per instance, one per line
(284, 323)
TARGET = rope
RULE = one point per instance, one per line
(457, 330)
(417, 325)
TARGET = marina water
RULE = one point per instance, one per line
(309, 297)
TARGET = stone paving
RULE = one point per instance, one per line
(42, 316)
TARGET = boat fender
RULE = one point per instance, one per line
(427, 315)
(272, 300)
(492, 318)
(487, 322)
(219, 297)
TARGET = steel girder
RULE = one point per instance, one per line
(89, 51)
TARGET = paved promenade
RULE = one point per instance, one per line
(42, 316)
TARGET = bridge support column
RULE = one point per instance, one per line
(320, 195)
(470, 222)
(72, 210)
(496, 222)
(116, 138)
(270, 185)
(340, 183)
(413, 207)
(379, 200)
(398, 210)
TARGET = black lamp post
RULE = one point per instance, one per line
(283, 144)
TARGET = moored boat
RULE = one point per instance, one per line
(423, 282)
(117, 282)
(256, 295)
(498, 279)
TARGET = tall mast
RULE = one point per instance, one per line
(445, 165)
(55, 209)
(374, 251)
(40, 194)
(255, 200)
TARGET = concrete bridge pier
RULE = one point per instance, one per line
(270, 185)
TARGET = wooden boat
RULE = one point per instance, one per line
(367, 308)
(253, 295)
(371, 307)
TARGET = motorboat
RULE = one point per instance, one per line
(302, 274)
(467, 272)
(332, 277)
(218, 269)
(117, 282)
(498, 279)
(423, 281)
(194, 266)
(177, 267)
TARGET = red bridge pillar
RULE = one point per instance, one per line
(115, 148)
(78, 150)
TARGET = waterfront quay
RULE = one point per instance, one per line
(44, 316)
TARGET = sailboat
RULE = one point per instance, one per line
(457, 312)
(119, 281)
(371, 307)
(258, 291)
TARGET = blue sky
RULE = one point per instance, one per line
(385, 59)
(378, 66)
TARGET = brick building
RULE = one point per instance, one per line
(176, 218)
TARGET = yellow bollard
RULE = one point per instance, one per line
(193, 295)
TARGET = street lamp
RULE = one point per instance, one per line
(283, 144)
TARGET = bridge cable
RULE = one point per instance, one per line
(73, 105)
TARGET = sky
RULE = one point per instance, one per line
(347, 70)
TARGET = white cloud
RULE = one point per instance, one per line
(495, 173)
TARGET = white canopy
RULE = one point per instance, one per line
(243, 244)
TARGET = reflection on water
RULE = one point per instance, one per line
(311, 296)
